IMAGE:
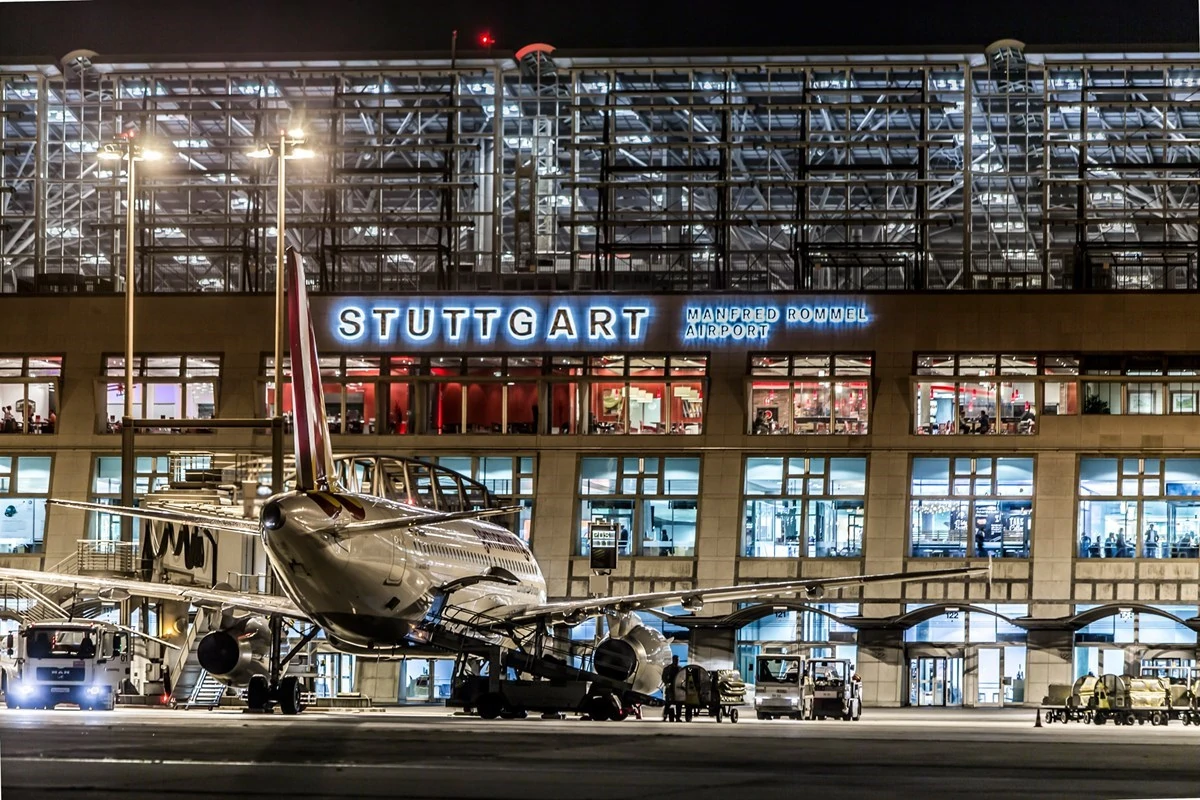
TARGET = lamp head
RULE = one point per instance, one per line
(301, 152)
(262, 152)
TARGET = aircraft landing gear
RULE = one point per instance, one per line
(263, 693)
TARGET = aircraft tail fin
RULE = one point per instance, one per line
(314, 455)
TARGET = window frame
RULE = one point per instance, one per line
(639, 497)
(795, 377)
(1124, 481)
(804, 499)
(36, 545)
(112, 369)
(52, 377)
(972, 497)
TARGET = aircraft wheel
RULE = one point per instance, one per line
(257, 693)
(491, 705)
(733, 715)
(289, 695)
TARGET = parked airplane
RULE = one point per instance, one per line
(371, 572)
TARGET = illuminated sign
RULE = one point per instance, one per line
(589, 322)
(720, 323)
(550, 322)
(603, 541)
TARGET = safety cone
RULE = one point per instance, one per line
(1037, 718)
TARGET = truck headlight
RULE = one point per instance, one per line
(95, 691)
(22, 691)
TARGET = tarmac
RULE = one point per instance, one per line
(430, 752)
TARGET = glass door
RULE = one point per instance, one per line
(935, 681)
(991, 686)
(927, 681)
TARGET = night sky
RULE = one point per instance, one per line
(252, 29)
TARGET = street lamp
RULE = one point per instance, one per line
(128, 149)
(289, 146)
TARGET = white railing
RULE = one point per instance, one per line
(103, 555)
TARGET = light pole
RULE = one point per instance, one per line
(129, 150)
(289, 146)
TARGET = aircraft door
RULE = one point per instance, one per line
(399, 542)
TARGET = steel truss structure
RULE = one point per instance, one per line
(999, 170)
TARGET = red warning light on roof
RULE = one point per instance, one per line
(486, 40)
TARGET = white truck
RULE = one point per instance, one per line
(780, 687)
(84, 663)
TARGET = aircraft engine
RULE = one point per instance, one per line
(636, 655)
(237, 651)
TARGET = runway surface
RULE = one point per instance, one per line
(427, 753)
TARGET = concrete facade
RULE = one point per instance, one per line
(1051, 582)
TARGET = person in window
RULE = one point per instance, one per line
(1151, 541)
(87, 648)
(1123, 548)
(668, 549)
(623, 541)
(979, 539)
(985, 424)
(1085, 546)
(1110, 545)
(1028, 421)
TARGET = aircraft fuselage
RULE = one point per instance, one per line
(370, 590)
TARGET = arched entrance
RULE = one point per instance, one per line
(813, 629)
(1129, 638)
(964, 655)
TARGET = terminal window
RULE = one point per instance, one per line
(358, 392)
(814, 393)
(151, 473)
(1142, 383)
(809, 506)
(165, 387)
(652, 500)
(1139, 506)
(24, 487)
(509, 478)
(984, 393)
(971, 506)
(29, 393)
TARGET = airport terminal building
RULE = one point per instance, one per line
(791, 316)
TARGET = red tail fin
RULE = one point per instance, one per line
(314, 458)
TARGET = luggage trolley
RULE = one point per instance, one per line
(697, 691)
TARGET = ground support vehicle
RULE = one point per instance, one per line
(837, 691)
(781, 687)
(496, 683)
(83, 663)
(697, 691)
(1121, 699)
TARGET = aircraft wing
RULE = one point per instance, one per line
(208, 598)
(204, 516)
(812, 587)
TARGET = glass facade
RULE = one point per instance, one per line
(971, 506)
(509, 478)
(166, 387)
(810, 394)
(986, 393)
(652, 500)
(151, 473)
(29, 387)
(1130, 506)
(811, 506)
(513, 394)
(24, 487)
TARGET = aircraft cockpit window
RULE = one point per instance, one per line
(778, 670)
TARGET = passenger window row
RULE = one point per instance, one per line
(512, 565)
